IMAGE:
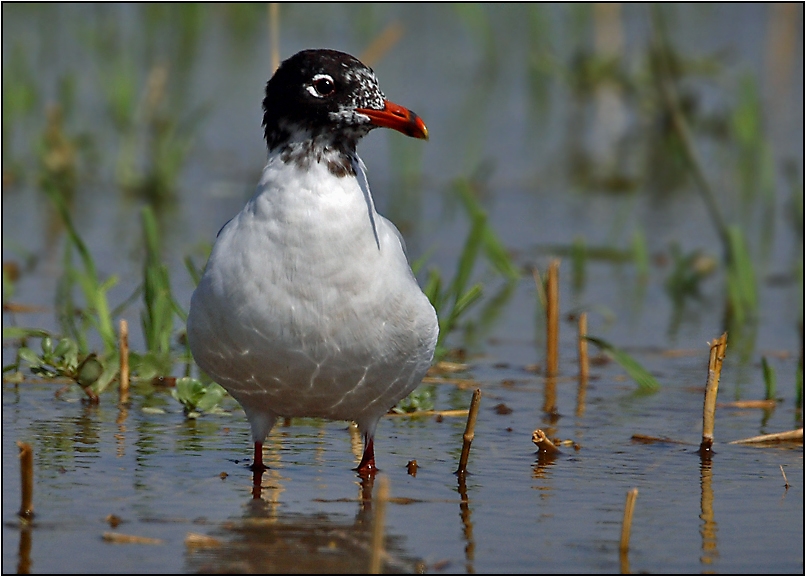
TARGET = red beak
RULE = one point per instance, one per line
(397, 118)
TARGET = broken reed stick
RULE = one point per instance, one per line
(543, 443)
(470, 429)
(717, 355)
(795, 435)
(381, 497)
(626, 525)
(786, 481)
(552, 318)
(26, 511)
(124, 362)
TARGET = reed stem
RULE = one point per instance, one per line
(124, 362)
(584, 363)
(717, 355)
(470, 433)
(626, 525)
(552, 318)
(26, 511)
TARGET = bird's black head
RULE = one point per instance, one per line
(322, 100)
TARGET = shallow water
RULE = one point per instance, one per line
(164, 476)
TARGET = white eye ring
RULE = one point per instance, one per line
(322, 85)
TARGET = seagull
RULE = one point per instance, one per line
(308, 306)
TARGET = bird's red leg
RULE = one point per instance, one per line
(257, 463)
(257, 471)
(367, 465)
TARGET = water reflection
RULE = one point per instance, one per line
(541, 469)
(265, 540)
(467, 524)
(24, 556)
(709, 526)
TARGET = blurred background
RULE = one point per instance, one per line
(563, 122)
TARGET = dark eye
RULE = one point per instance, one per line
(324, 86)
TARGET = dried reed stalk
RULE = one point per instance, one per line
(26, 511)
(124, 362)
(584, 363)
(377, 553)
(794, 435)
(626, 525)
(552, 318)
(274, 36)
(717, 355)
(470, 433)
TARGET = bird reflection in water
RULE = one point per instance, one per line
(266, 540)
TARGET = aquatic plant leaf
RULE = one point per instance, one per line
(637, 372)
(420, 399)
(29, 356)
(23, 333)
(197, 397)
(211, 397)
(89, 371)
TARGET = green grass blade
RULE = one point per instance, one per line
(769, 379)
(637, 372)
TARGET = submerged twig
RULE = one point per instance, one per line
(381, 497)
(750, 404)
(26, 511)
(469, 434)
(794, 435)
(717, 355)
(648, 440)
(128, 539)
